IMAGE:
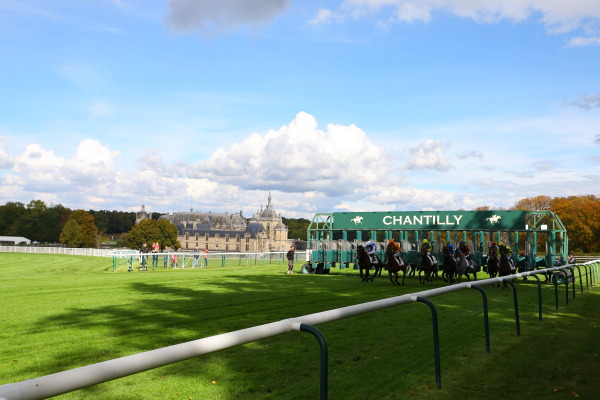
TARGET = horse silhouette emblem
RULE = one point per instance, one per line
(357, 220)
(494, 219)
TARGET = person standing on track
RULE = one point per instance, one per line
(290, 258)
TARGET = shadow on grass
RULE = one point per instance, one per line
(163, 313)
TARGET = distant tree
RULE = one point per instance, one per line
(37, 221)
(72, 235)
(297, 227)
(581, 217)
(168, 234)
(112, 222)
(150, 231)
(537, 203)
(88, 228)
(11, 216)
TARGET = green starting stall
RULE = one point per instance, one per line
(538, 238)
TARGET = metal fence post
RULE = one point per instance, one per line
(580, 278)
(486, 324)
(324, 357)
(515, 300)
(539, 283)
(436, 340)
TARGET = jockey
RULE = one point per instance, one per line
(571, 258)
(396, 249)
(493, 247)
(503, 248)
(371, 248)
(395, 246)
(450, 250)
(465, 251)
(429, 247)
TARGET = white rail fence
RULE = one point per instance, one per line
(184, 258)
(79, 378)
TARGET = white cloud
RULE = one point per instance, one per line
(92, 162)
(5, 159)
(401, 197)
(299, 158)
(429, 155)
(557, 15)
(584, 41)
(209, 16)
(324, 170)
(325, 16)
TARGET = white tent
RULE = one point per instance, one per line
(13, 240)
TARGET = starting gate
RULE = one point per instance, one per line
(538, 238)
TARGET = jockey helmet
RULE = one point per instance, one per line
(450, 246)
(425, 241)
(461, 244)
(500, 243)
(392, 240)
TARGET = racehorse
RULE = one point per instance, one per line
(395, 263)
(464, 267)
(425, 266)
(449, 269)
(504, 266)
(493, 264)
(365, 264)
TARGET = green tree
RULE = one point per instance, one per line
(296, 227)
(150, 231)
(88, 228)
(72, 235)
(11, 216)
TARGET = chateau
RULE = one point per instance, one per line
(225, 232)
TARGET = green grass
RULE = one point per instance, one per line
(63, 312)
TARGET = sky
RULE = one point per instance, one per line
(329, 106)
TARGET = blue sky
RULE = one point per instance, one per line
(355, 105)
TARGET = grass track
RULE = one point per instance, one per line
(62, 312)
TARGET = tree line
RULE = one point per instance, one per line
(45, 223)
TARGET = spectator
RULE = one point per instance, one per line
(290, 258)
(205, 259)
(143, 252)
(196, 257)
(166, 257)
(155, 251)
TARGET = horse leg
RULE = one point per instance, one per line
(365, 277)
(403, 276)
(390, 275)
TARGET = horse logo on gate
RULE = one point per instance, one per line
(357, 220)
(494, 219)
